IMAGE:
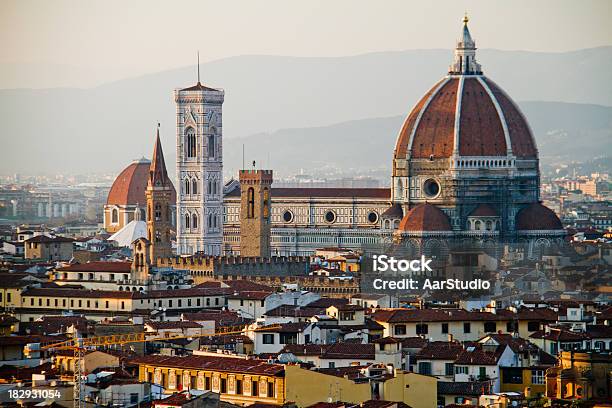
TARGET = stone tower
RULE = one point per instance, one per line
(255, 212)
(199, 170)
(159, 205)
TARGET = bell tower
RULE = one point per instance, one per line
(255, 212)
(199, 170)
(159, 202)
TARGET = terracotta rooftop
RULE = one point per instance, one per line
(425, 217)
(375, 193)
(333, 351)
(484, 210)
(216, 363)
(537, 217)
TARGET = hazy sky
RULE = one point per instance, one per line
(100, 41)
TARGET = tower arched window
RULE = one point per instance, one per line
(194, 221)
(251, 203)
(115, 216)
(489, 225)
(210, 221)
(266, 203)
(477, 225)
(194, 186)
(211, 144)
(158, 212)
(187, 184)
(187, 221)
(190, 142)
(210, 187)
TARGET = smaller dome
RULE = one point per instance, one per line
(484, 210)
(537, 217)
(130, 185)
(393, 212)
(425, 217)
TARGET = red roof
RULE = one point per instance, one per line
(425, 217)
(431, 124)
(333, 351)
(130, 185)
(484, 210)
(536, 217)
(213, 363)
(375, 193)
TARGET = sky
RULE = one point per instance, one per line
(86, 43)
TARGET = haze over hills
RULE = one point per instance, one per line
(104, 128)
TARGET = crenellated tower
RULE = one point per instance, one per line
(255, 212)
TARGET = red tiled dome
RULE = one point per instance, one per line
(130, 185)
(484, 210)
(425, 217)
(537, 217)
(485, 112)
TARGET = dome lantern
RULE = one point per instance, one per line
(465, 54)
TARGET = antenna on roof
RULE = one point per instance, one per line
(198, 67)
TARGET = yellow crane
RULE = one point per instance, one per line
(80, 344)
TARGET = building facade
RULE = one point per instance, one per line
(199, 170)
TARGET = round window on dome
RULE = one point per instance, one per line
(330, 216)
(373, 217)
(431, 188)
(287, 216)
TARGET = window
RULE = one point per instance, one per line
(158, 212)
(251, 202)
(268, 338)
(134, 398)
(444, 328)
(467, 327)
(239, 387)
(211, 144)
(490, 327)
(187, 185)
(187, 220)
(482, 372)
(115, 216)
(425, 367)
(449, 369)
(537, 376)
(512, 375)
(510, 327)
(224, 386)
(331, 364)
(330, 217)
(194, 221)
(422, 328)
(288, 338)
(270, 389)
(190, 145)
(533, 326)
(254, 389)
(400, 330)
(194, 186)
(461, 370)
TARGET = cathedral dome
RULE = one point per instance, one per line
(537, 217)
(130, 185)
(425, 217)
(465, 114)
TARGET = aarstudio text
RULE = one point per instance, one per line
(427, 284)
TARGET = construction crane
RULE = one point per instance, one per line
(80, 344)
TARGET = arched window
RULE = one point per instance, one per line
(187, 219)
(194, 186)
(211, 144)
(251, 203)
(266, 203)
(158, 212)
(187, 186)
(194, 221)
(489, 225)
(210, 187)
(210, 222)
(477, 225)
(115, 216)
(190, 142)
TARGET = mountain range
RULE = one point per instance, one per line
(298, 112)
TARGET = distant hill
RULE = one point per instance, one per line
(562, 130)
(104, 128)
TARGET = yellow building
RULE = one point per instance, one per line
(580, 376)
(65, 360)
(244, 382)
